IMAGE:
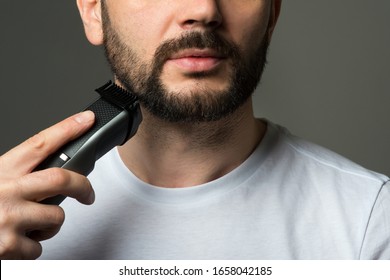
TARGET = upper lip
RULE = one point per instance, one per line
(196, 53)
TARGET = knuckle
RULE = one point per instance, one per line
(67, 128)
(53, 217)
(38, 141)
(58, 177)
(87, 194)
(87, 185)
(58, 216)
(5, 220)
(8, 244)
(7, 217)
(36, 253)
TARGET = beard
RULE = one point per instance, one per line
(192, 106)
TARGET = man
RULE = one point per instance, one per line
(202, 178)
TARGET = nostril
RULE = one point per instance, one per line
(210, 24)
(214, 23)
(190, 22)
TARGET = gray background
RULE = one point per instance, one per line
(327, 78)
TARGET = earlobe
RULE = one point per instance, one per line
(90, 12)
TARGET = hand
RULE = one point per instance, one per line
(24, 222)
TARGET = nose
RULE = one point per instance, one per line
(199, 14)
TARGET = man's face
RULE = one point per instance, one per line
(188, 61)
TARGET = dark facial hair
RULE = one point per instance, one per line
(198, 105)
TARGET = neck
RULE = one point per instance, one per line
(180, 155)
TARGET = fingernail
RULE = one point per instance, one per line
(84, 117)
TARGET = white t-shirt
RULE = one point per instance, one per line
(289, 200)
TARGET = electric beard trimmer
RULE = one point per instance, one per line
(117, 117)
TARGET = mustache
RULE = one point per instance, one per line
(195, 39)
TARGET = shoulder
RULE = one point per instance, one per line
(321, 159)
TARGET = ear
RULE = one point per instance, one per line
(90, 12)
(275, 12)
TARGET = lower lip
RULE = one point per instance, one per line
(196, 64)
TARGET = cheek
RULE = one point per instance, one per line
(249, 34)
(248, 24)
(142, 36)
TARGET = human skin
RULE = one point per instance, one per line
(21, 214)
(188, 154)
(143, 25)
(195, 153)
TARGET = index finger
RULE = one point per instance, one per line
(22, 159)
